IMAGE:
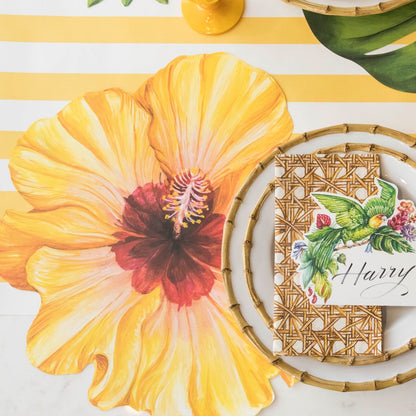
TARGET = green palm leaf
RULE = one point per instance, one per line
(307, 274)
(124, 2)
(388, 240)
(355, 37)
(93, 2)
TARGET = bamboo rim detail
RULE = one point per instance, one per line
(381, 7)
(261, 310)
(234, 306)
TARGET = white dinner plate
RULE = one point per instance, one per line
(399, 322)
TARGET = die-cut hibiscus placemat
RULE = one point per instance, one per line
(302, 328)
(129, 195)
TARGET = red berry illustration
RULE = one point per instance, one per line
(309, 292)
(323, 220)
(314, 299)
(398, 221)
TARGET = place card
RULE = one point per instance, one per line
(360, 253)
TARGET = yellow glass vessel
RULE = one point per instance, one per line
(212, 17)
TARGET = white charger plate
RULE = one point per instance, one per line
(399, 322)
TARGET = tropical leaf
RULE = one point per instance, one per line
(93, 2)
(388, 240)
(333, 267)
(124, 2)
(323, 251)
(355, 38)
(323, 287)
(305, 256)
(306, 267)
(307, 275)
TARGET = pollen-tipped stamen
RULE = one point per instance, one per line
(187, 199)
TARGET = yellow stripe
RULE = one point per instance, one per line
(12, 200)
(8, 140)
(305, 88)
(31, 86)
(97, 29)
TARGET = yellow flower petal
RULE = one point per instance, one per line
(113, 387)
(149, 355)
(21, 234)
(288, 379)
(192, 360)
(91, 155)
(15, 250)
(240, 364)
(86, 298)
(63, 228)
(163, 381)
(214, 112)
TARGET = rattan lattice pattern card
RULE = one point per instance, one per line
(301, 326)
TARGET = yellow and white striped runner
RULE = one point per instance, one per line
(52, 51)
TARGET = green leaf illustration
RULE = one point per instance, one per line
(342, 258)
(305, 256)
(93, 2)
(307, 275)
(333, 267)
(306, 266)
(355, 38)
(388, 240)
(323, 287)
(124, 2)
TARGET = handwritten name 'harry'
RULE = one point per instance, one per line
(378, 282)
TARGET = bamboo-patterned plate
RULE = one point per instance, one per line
(398, 152)
(348, 7)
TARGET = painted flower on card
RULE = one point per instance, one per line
(323, 220)
(129, 196)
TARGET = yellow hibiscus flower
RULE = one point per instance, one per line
(123, 243)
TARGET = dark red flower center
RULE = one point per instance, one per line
(171, 238)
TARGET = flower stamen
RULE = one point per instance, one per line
(187, 199)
